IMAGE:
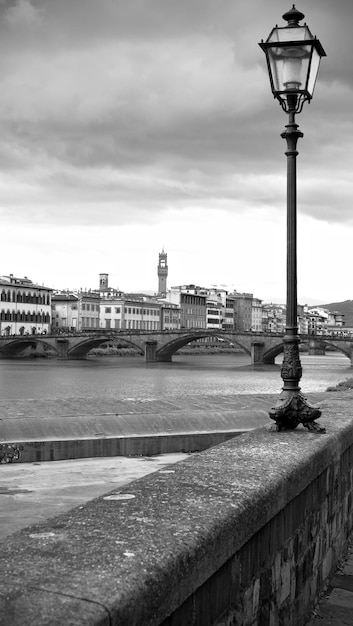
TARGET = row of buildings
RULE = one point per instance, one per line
(29, 308)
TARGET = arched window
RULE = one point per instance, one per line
(2, 315)
(3, 296)
(8, 296)
(8, 315)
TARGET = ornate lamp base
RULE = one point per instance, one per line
(292, 409)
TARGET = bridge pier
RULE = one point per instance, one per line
(316, 347)
(257, 352)
(150, 351)
(62, 346)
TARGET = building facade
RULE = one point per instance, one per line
(192, 301)
(25, 307)
(65, 312)
(130, 313)
(243, 311)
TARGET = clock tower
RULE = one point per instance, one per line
(162, 271)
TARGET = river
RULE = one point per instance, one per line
(132, 378)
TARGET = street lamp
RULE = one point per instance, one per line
(293, 57)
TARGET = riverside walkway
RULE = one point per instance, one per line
(28, 490)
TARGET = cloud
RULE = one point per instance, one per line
(126, 113)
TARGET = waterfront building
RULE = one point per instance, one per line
(25, 306)
(256, 315)
(229, 318)
(88, 310)
(170, 315)
(322, 321)
(75, 311)
(65, 311)
(214, 315)
(243, 311)
(192, 301)
(129, 312)
(273, 317)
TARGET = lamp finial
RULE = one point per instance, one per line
(293, 17)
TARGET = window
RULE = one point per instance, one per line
(108, 309)
(117, 309)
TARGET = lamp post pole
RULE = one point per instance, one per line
(292, 408)
(293, 57)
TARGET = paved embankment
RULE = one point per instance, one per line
(34, 492)
(54, 429)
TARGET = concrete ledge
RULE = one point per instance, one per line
(150, 550)
(84, 436)
(38, 451)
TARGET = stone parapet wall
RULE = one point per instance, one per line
(244, 533)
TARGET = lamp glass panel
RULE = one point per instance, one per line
(314, 68)
(289, 67)
(297, 33)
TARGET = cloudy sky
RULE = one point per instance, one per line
(132, 126)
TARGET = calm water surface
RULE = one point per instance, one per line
(186, 376)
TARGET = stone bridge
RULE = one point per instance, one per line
(161, 345)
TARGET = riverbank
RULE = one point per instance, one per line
(189, 350)
(344, 385)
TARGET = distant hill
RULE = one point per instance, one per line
(346, 308)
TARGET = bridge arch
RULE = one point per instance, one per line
(270, 355)
(12, 349)
(166, 352)
(339, 347)
(83, 347)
